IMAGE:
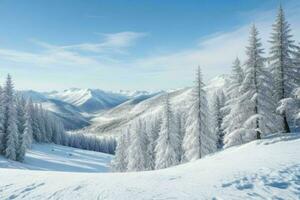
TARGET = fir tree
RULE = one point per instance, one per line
(282, 67)
(137, 155)
(232, 117)
(168, 142)
(218, 102)
(10, 121)
(198, 140)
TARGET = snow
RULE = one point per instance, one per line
(51, 157)
(265, 169)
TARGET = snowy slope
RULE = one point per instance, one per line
(266, 169)
(50, 157)
(113, 121)
(90, 100)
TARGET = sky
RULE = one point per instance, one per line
(129, 45)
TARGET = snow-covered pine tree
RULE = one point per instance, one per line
(138, 154)
(257, 105)
(153, 131)
(218, 102)
(27, 134)
(35, 122)
(10, 121)
(2, 138)
(284, 73)
(180, 122)
(42, 122)
(168, 142)
(232, 119)
(198, 140)
(120, 161)
(21, 120)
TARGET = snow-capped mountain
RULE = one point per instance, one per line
(70, 115)
(116, 119)
(89, 100)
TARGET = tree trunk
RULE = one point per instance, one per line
(285, 124)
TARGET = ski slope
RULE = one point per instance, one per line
(51, 157)
(266, 169)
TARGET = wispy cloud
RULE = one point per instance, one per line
(76, 54)
(113, 42)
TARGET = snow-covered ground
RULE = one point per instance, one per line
(51, 157)
(266, 169)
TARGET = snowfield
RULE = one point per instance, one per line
(51, 157)
(266, 169)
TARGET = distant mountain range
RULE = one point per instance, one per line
(106, 112)
(77, 106)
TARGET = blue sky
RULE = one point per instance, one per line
(112, 45)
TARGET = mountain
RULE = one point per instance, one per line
(262, 169)
(89, 100)
(70, 115)
(113, 121)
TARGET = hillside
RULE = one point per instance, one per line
(114, 120)
(266, 169)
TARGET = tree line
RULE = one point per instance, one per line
(259, 100)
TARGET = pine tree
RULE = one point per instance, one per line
(28, 133)
(232, 117)
(218, 102)
(137, 155)
(2, 138)
(10, 121)
(256, 105)
(198, 140)
(168, 142)
(21, 120)
(282, 67)
(153, 133)
(120, 161)
(35, 122)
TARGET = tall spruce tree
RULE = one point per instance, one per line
(256, 106)
(218, 102)
(138, 154)
(2, 133)
(168, 142)
(283, 70)
(10, 121)
(198, 140)
(232, 119)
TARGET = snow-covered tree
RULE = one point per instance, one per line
(21, 120)
(120, 161)
(218, 102)
(198, 140)
(232, 119)
(153, 132)
(2, 136)
(168, 142)
(10, 121)
(27, 134)
(138, 154)
(283, 69)
(255, 104)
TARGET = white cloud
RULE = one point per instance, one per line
(77, 55)
(113, 42)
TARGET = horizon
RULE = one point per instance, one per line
(113, 46)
